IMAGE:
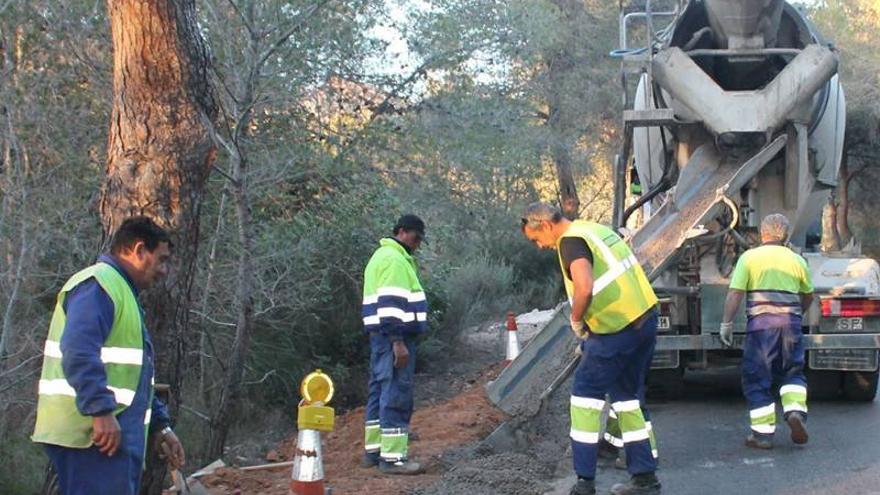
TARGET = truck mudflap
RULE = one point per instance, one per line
(711, 342)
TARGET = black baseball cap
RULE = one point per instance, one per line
(410, 222)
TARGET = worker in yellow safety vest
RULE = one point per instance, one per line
(614, 314)
(395, 313)
(96, 407)
(776, 284)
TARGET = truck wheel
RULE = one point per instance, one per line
(666, 383)
(860, 386)
(824, 384)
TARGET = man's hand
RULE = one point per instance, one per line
(173, 449)
(401, 353)
(726, 334)
(106, 433)
(579, 329)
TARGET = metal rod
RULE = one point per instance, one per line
(624, 24)
(677, 291)
(811, 341)
(708, 52)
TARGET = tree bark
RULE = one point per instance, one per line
(159, 151)
(844, 233)
(160, 154)
(830, 238)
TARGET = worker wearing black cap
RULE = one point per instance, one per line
(394, 312)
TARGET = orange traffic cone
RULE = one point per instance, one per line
(512, 342)
(308, 469)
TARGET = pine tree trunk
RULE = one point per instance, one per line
(842, 220)
(830, 238)
(160, 155)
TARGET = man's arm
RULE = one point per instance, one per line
(89, 313)
(395, 275)
(806, 288)
(806, 301)
(160, 424)
(731, 304)
(582, 277)
(734, 299)
(89, 319)
(160, 417)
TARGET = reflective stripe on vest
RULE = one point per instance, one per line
(115, 355)
(59, 386)
(772, 302)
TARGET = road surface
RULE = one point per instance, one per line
(702, 451)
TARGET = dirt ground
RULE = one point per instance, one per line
(441, 425)
(452, 418)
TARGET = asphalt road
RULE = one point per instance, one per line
(702, 452)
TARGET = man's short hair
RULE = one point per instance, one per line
(540, 212)
(775, 226)
(409, 222)
(140, 228)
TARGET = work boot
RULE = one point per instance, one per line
(370, 459)
(401, 467)
(796, 422)
(620, 462)
(583, 487)
(759, 441)
(639, 484)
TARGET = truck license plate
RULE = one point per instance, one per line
(663, 323)
(850, 324)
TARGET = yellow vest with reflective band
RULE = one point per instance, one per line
(59, 422)
(621, 291)
(774, 278)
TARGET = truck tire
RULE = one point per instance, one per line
(860, 386)
(666, 383)
(824, 384)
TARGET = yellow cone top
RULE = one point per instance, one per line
(317, 388)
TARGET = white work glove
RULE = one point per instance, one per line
(726, 334)
(579, 329)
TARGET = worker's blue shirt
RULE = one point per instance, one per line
(89, 311)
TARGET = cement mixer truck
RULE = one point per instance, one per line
(734, 110)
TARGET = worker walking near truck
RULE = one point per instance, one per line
(778, 290)
(614, 313)
(96, 407)
(394, 312)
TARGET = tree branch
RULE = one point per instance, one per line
(281, 40)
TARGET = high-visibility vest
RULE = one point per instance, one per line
(621, 291)
(392, 291)
(774, 278)
(59, 422)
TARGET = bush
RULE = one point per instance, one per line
(24, 463)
